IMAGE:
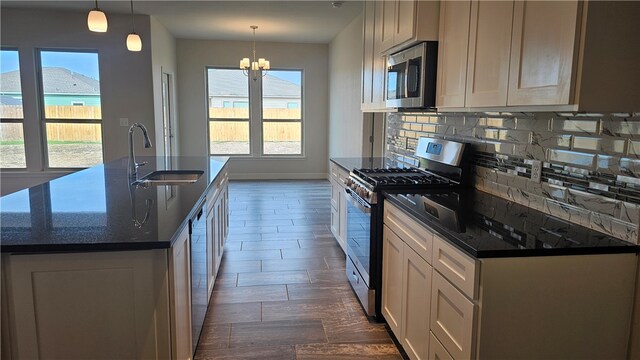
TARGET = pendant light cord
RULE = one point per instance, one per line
(96, 4)
(254, 43)
(133, 23)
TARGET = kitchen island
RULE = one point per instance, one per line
(96, 267)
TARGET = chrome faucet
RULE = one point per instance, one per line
(133, 165)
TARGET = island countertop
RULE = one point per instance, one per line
(97, 209)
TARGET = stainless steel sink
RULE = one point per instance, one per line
(170, 177)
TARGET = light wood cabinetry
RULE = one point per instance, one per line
(180, 296)
(86, 306)
(406, 22)
(217, 226)
(452, 53)
(373, 61)
(535, 307)
(406, 280)
(538, 56)
(338, 225)
(489, 53)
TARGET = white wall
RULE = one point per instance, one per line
(163, 60)
(125, 79)
(195, 55)
(345, 68)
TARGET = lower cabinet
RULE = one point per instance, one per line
(538, 307)
(111, 305)
(217, 227)
(406, 287)
(338, 210)
(180, 296)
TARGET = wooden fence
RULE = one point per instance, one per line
(55, 112)
(243, 113)
(239, 131)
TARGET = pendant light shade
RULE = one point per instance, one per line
(97, 20)
(134, 43)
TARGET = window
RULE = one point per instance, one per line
(70, 97)
(12, 151)
(265, 116)
(227, 90)
(281, 112)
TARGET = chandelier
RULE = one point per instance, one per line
(254, 66)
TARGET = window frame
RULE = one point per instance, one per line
(15, 120)
(301, 120)
(210, 119)
(41, 108)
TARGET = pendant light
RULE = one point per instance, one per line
(97, 20)
(134, 43)
(254, 66)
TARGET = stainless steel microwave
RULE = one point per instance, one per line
(411, 77)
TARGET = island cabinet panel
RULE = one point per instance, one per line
(489, 53)
(212, 255)
(88, 305)
(217, 226)
(543, 48)
(338, 225)
(180, 296)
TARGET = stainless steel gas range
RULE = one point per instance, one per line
(441, 167)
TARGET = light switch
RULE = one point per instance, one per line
(124, 122)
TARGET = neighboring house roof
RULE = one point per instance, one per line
(235, 83)
(58, 81)
(9, 100)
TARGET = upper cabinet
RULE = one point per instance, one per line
(405, 22)
(389, 26)
(539, 55)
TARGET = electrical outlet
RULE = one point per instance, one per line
(536, 170)
(124, 122)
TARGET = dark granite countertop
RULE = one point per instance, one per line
(94, 209)
(487, 226)
(359, 162)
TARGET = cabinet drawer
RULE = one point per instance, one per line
(410, 231)
(455, 266)
(342, 176)
(436, 350)
(333, 170)
(452, 318)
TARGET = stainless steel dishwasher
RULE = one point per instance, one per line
(199, 293)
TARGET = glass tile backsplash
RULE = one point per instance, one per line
(591, 162)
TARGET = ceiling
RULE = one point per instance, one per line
(280, 21)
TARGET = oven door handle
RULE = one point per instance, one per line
(351, 196)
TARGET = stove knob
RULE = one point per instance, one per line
(367, 194)
(348, 182)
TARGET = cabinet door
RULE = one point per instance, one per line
(436, 350)
(416, 296)
(379, 61)
(335, 223)
(392, 252)
(452, 318)
(180, 296)
(219, 234)
(388, 24)
(405, 21)
(542, 52)
(368, 55)
(335, 194)
(342, 221)
(489, 52)
(211, 248)
(452, 53)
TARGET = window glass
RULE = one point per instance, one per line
(72, 108)
(12, 146)
(71, 85)
(12, 153)
(10, 86)
(282, 112)
(228, 99)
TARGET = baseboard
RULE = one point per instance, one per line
(278, 176)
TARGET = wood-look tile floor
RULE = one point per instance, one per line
(281, 291)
